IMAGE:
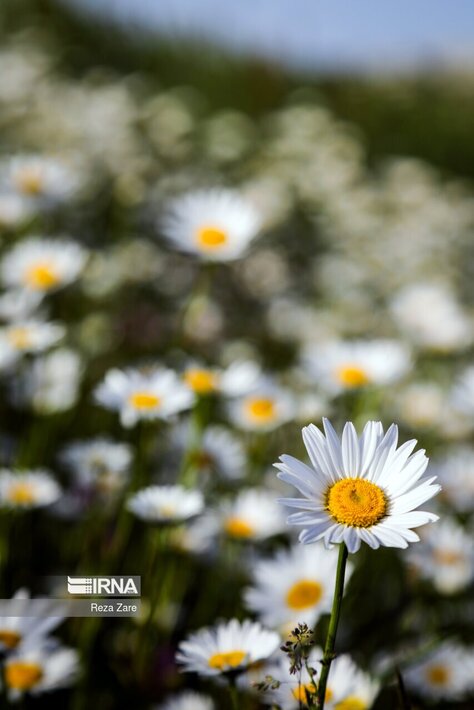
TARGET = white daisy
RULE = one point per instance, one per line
(15, 210)
(455, 473)
(166, 504)
(100, 463)
(188, 700)
(232, 381)
(295, 586)
(295, 690)
(155, 394)
(38, 668)
(22, 490)
(463, 392)
(358, 489)
(228, 647)
(340, 366)
(219, 451)
(31, 336)
(25, 629)
(266, 407)
(447, 672)
(216, 225)
(18, 304)
(253, 515)
(41, 179)
(445, 555)
(43, 265)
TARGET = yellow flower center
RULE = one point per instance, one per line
(227, 661)
(211, 238)
(29, 180)
(20, 338)
(352, 376)
(167, 511)
(304, 594)
(352, 702)
(261, 409)
(437, 675)
(22, 675)
(302, 692)
(9, 639)
(447, 557)
(144, 400)
(356, 502)
(200, 381)
(238, 527)
(21, 493)
(42, 276)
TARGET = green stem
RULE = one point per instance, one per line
(234, 695)
(333, 623)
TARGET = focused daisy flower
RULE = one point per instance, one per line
(216, 225)
(38, 668)
(166, 504)
(447, 673)
(25, 629)
(43, 180)
(188, 700)
(341, 366)
(445, 556)
(265, 408)
(295, 586)
(358, 489)
(455, 473)
(219, 451)
(100, 464)
(31, 336)
(253, 515)
(136, 395)
(42, 265)
(23, 490)
(463, 392)
(229, 647)
(233, 381)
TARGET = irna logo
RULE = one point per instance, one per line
(104, 586)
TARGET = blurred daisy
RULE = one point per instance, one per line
(233, 381)
(219, 451)
(155, 394)
(38, 668)
(445, 556)
(349, 365)
(295, 586)
(358, 489)
(455, 473)
(187, 700)
(228, 647)
(18, 304)
(463, 392)
(448, 672)
(15, 210)
(26, 628)
(253, 515)
(216, 225)
(43, 265)
(101, 464)
(41, 179)
(265, 408)
(166, 504)
(31, 336)
(22, 490)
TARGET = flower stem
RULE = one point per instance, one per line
(234, 696)
(333, 623)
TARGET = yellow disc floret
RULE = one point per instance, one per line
(227, 661)
(356, 502)
(42, 276)
(438, 675)
(144, 400)
(9, 638)
(200, 381)
(303, 594)
(352, 376)
(21, 493)
(352, 702)
(238, 527)
(261, 409)
(210, 238)
(22, 675)
(302, 692)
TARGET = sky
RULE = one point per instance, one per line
(363, 35)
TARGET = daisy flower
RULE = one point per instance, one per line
(15, 210)
(38, 668)
(358, 489)
(455, 473)
(447, 672)
(166, 504)
(228, 647)
(23, 490)
(295, 689)
(154, 394)
(252, 516)
(18, 304)
(215, 225)
(187, 701)
(219, 451)
(265, 408)
(31, 336)
(40, 179)
(25, 629)
(100, 463)
(445, 556)
(295, 586)
(341, 366)
(232, 381)
(42, 265)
